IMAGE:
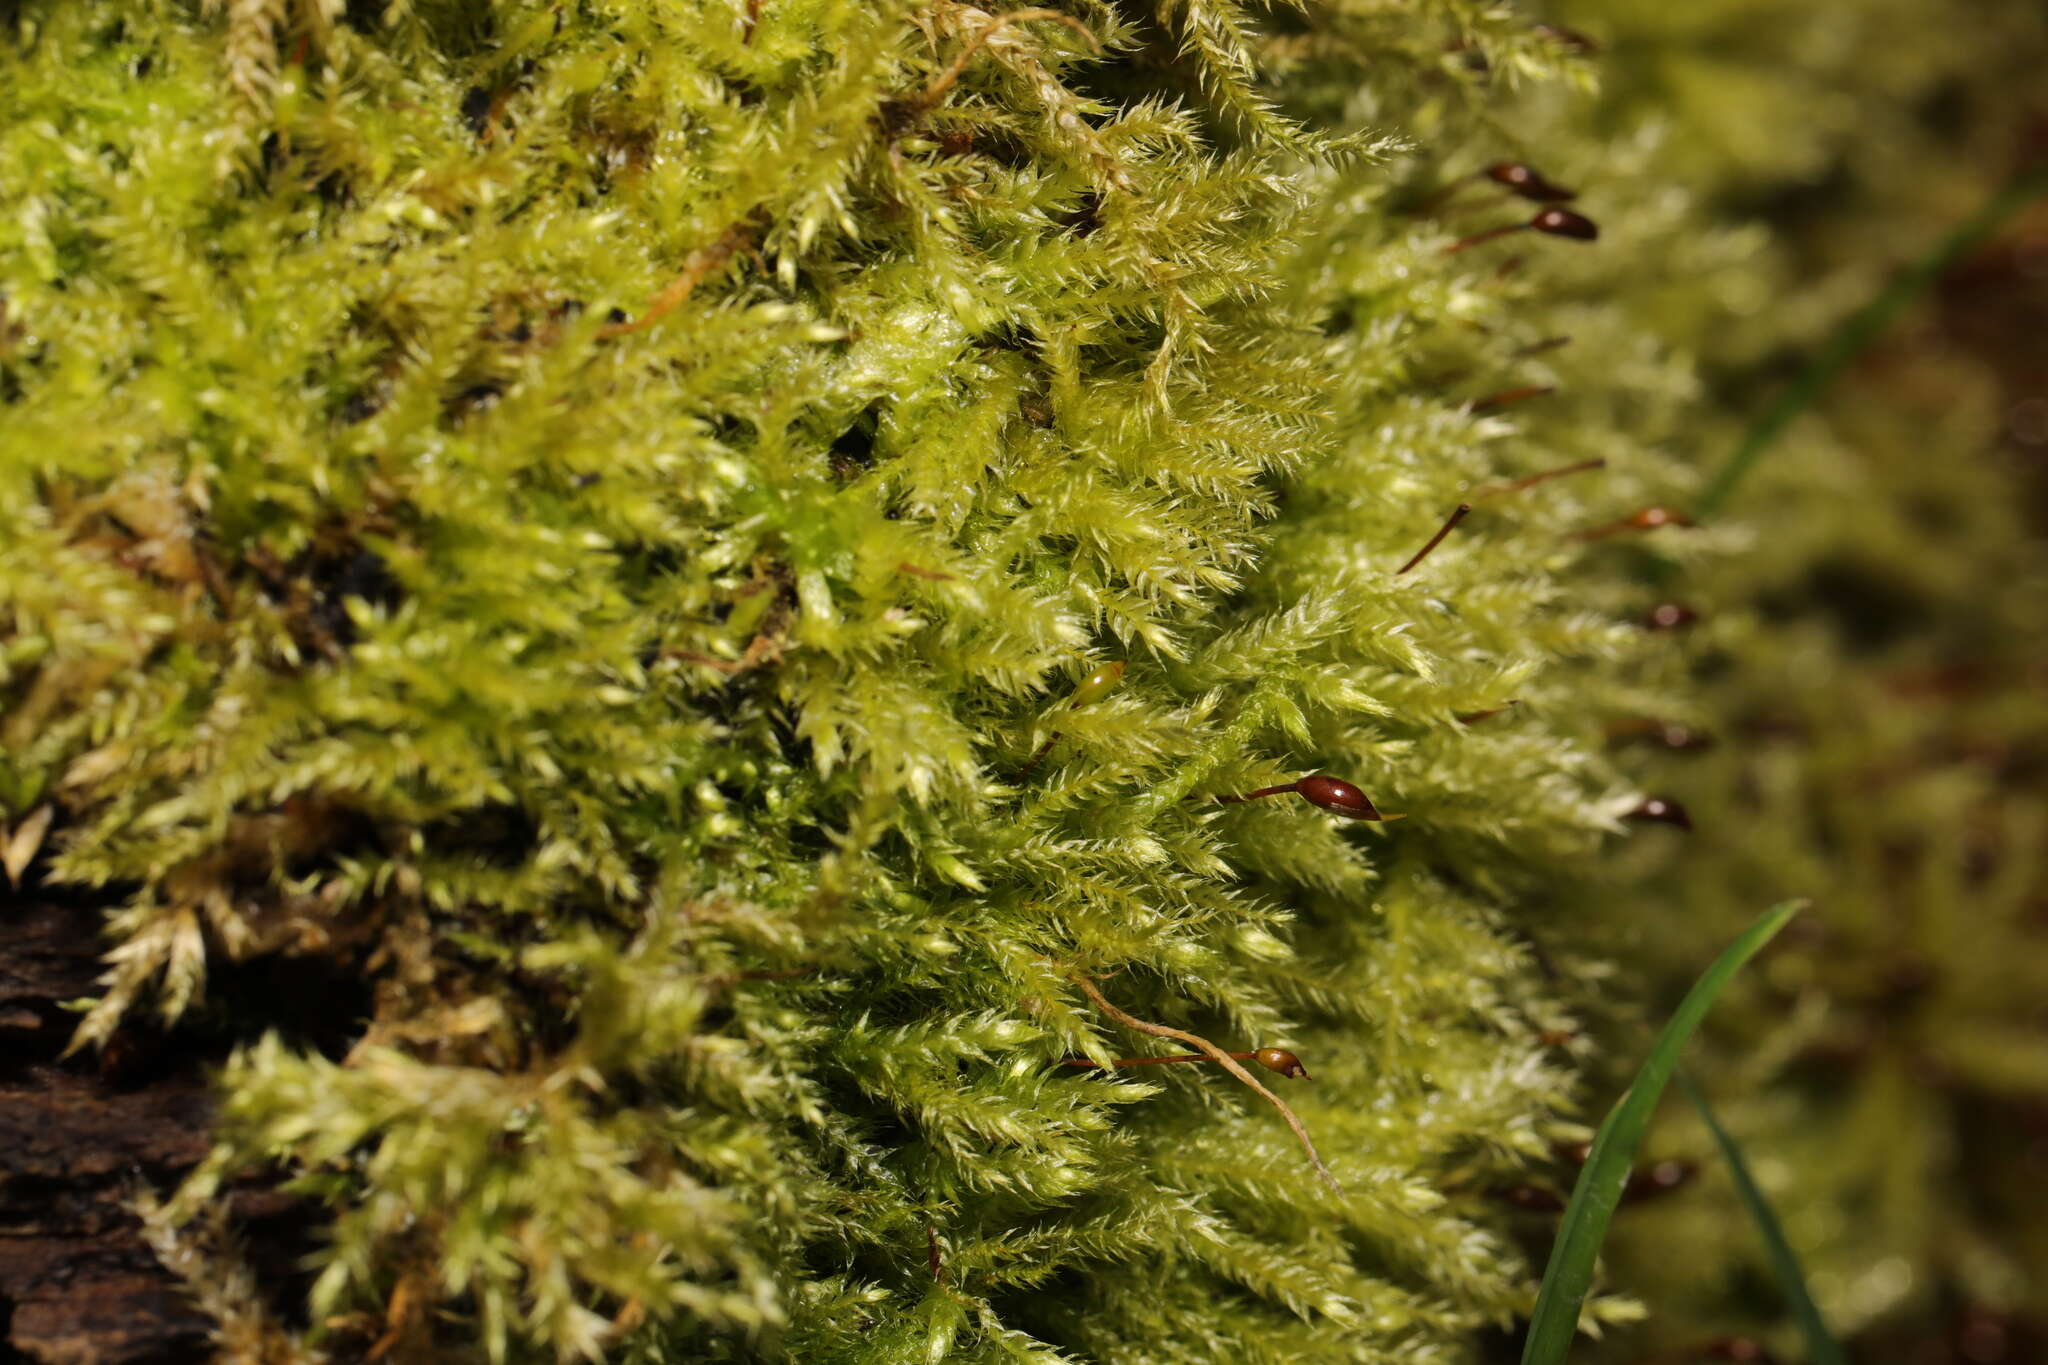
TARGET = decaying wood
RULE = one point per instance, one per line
(78, 1286)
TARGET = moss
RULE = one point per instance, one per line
(587, 513)
(1867, 663)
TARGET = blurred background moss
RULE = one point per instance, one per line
(1874, 667)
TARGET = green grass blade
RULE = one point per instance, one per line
(1821, 1346)
(1569, 1276)
(1863, 327)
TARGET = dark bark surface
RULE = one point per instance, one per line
(78, 1137)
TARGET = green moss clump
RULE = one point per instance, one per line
(585, 513)
(1868, 668)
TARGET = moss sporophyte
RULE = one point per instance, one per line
(1332, 794)
(570, 518)
(1528, 182)
(1552, 222)
(1272, 1058)
(1464, 509)
(1091, 689)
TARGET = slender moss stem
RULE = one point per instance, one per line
(1227, 1061)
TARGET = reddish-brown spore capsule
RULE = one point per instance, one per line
(1564, 223)
(1743, 1350)
(1528, 182)
(1513, 174)
(1534, 1198)
(1281, 1060)
(1339, 797)
(1647, 730)
(1569, 38)
(1681, 737)
(1669, 616)
(1663, 811)
(1653, 1182)
(1985, 1337)
(1648, 519)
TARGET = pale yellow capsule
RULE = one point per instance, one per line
(1098, 684)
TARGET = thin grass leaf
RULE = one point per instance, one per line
(1863, 327)
(1821, 1346)
(1569, 1275)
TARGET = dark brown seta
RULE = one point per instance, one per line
(1464, 510)
(1259, 794)
(1474, 717)
(1481, 238)
(1228, 1063)
(1039, 757)
(1495, 490)
(1507, 397)
(1277, 1059)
